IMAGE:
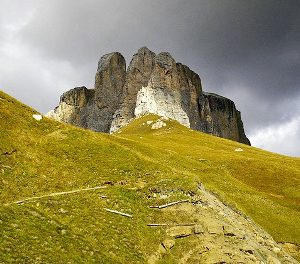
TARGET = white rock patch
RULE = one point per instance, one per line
(37, 117)
(61, 113)
(238, 150)
(158, 124)
(164, 118)
(160, 102)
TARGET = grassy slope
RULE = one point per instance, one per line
(263, 185)
(54, 157)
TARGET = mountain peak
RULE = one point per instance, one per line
(144, 49)
(153, 84)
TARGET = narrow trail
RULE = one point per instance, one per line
(56, 194)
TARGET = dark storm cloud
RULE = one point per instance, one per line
(254, 41)
(246, 50)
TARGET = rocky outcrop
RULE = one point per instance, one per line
(72, 105)
(94, 108)
(152, 84)
(162, 95)
(138, 75)
(159, 101)
(219, 116)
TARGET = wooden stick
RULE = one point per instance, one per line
(157, 225)
(186, 224)
(168, 204)
(117, 212)
(57, 194)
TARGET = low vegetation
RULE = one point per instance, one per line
(137, 167)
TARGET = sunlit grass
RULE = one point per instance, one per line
(46, 156)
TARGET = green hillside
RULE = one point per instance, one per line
(135, 168)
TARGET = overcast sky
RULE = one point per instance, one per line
(247, 50)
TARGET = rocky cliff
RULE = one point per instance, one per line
(152, 84)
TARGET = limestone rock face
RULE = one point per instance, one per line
(110, 79)
(138, 75)
(159, 101)
(72, 105)
(219, 116)
(109, 82)
(94, 108)
(190, 90)
(152, 84)
(162, 95)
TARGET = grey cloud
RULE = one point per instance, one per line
(274, 137)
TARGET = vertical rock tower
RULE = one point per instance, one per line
(152, 84)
